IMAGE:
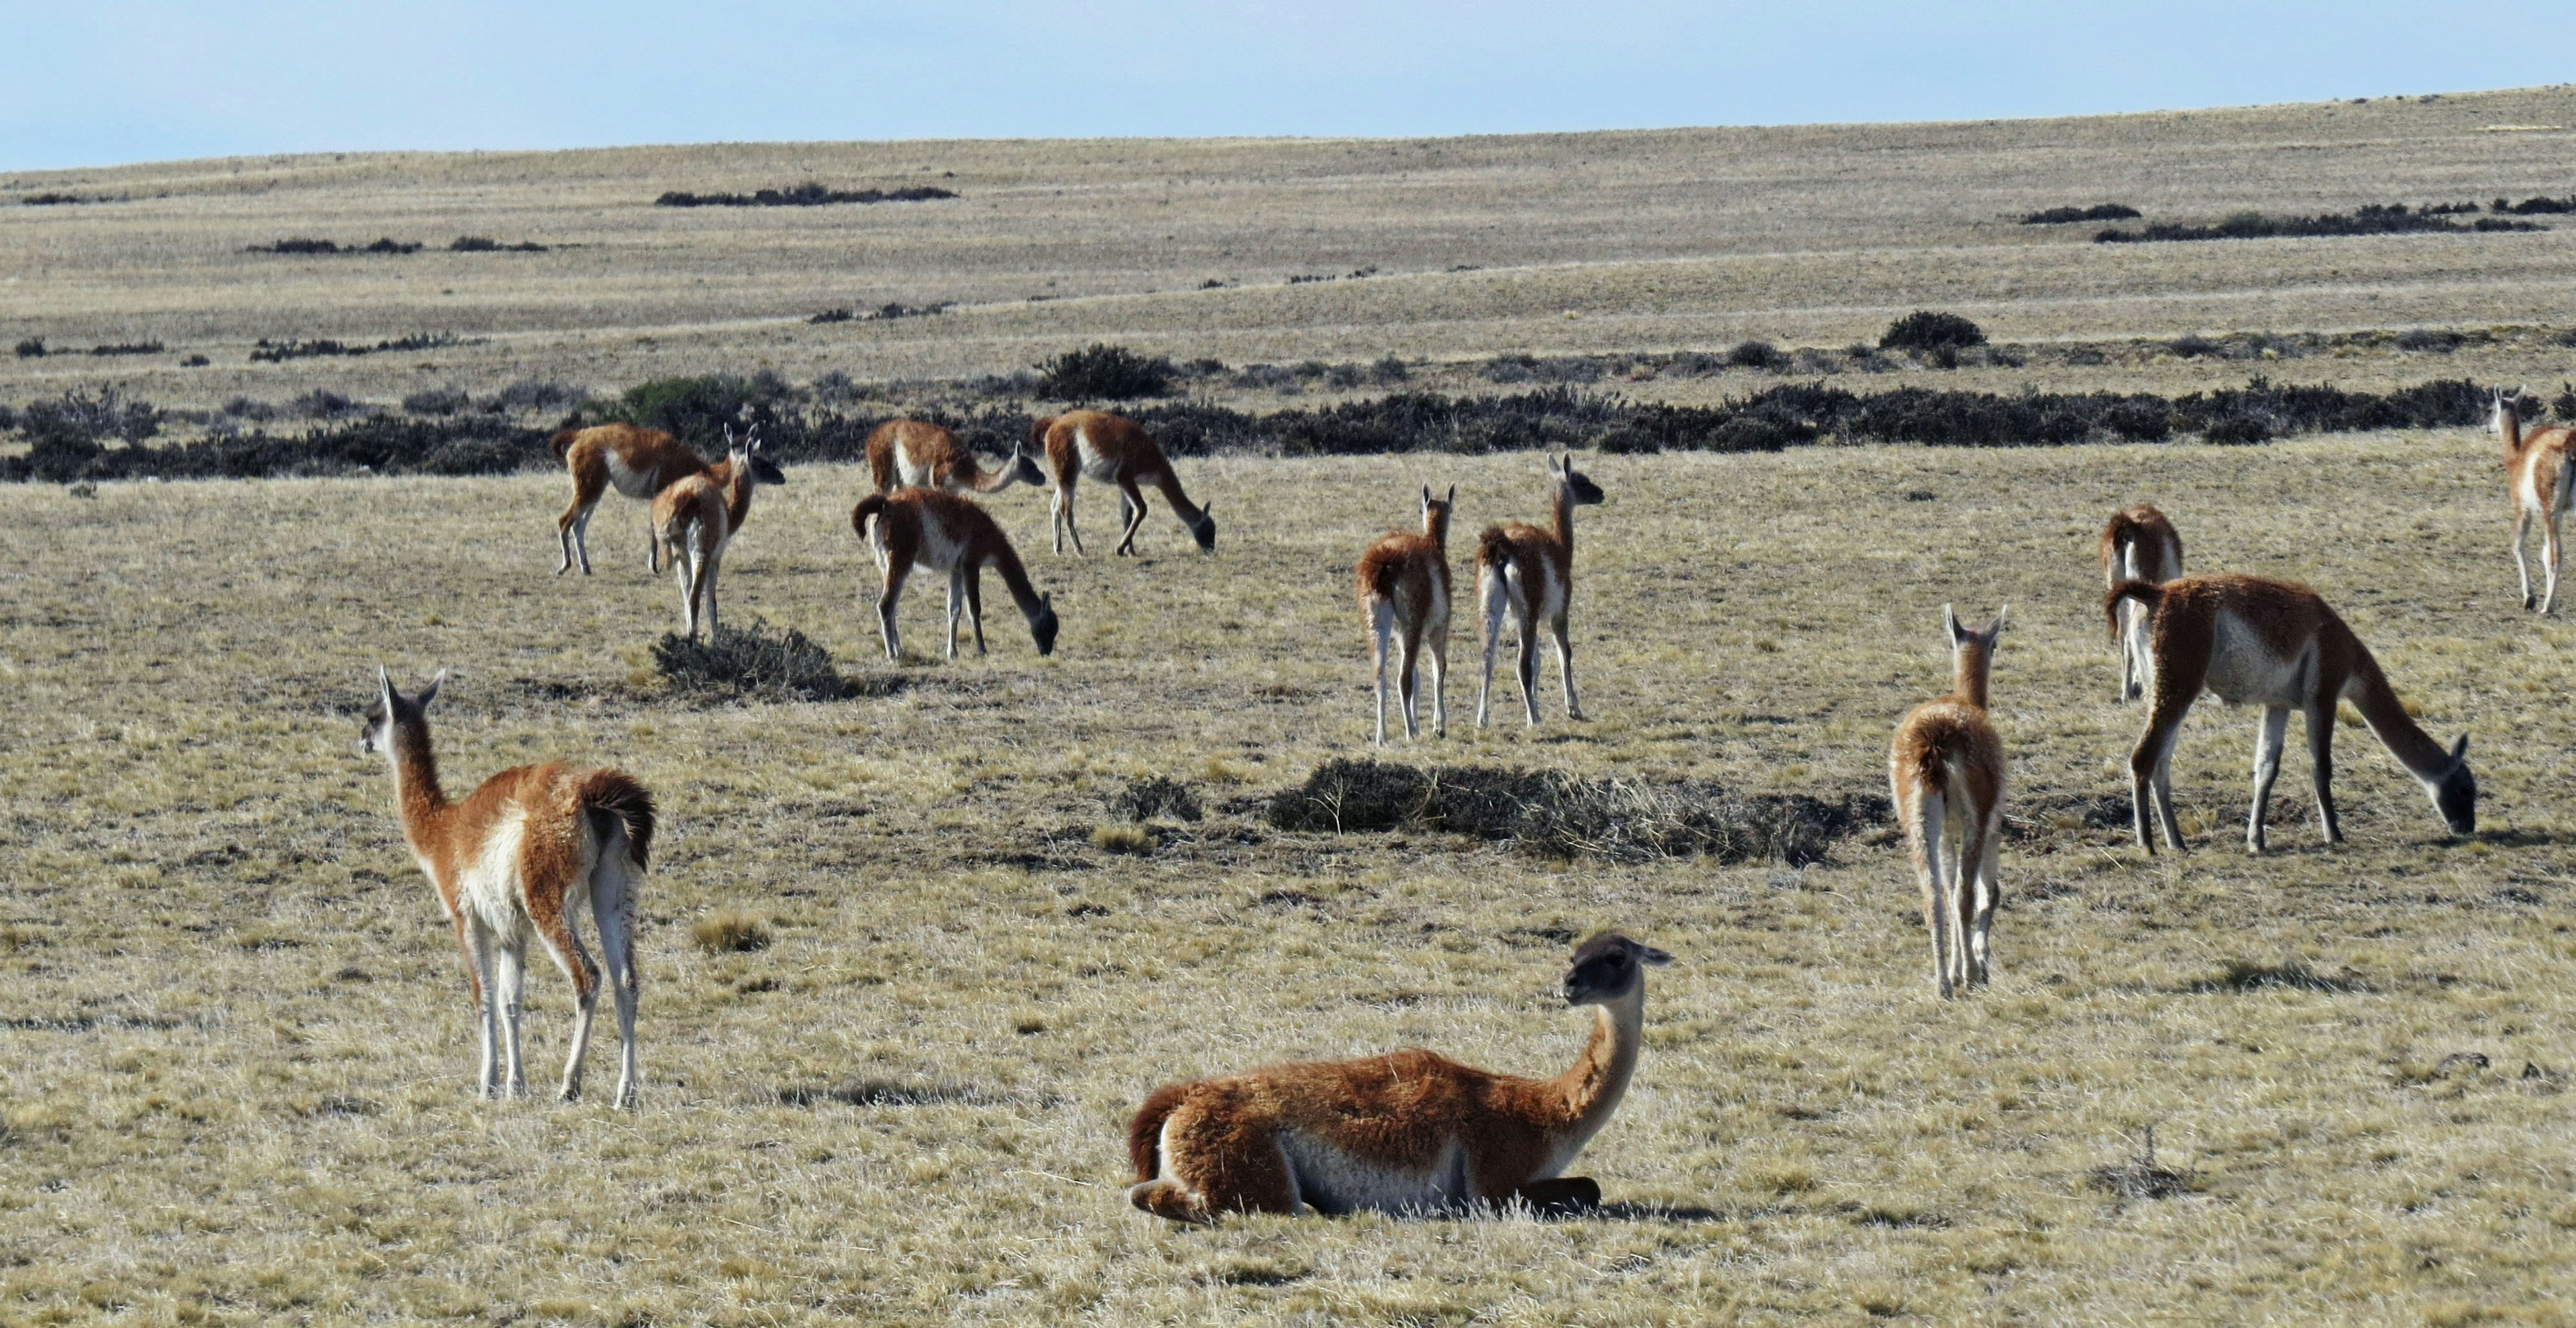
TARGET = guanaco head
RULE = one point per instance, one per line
(1607, 968)
(1042, 624)
(2504, 416)
(1579, 488)
(744, 452)
(1204, 530)
(2455, 792)
(1972, 654)
(393, 712)
(1435, 513)
(1024, 467)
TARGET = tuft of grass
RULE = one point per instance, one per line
(1117, 838)
(2141, 1177)
(729, 933)
(759, 661)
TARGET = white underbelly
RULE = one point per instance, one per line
(489, 887)
(2243, 670)
(1094, 465)
(940, 550)
(628, 480)
(1332, 1181)
(907, 470)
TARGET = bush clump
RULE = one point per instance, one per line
(1556, 815)
(759, 661)
(1102, 372)
(2059, 216)
(696, 407)
(1757, 355)
(2430, 338)
(1145, 799)
(437, 401)
(32, 348)
(484, 244)
(2374, 219)
(808, 194)
(1928, 331)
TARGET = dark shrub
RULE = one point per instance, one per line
(249, 408)
(1343, 376)
(297, 246)
(834, 388)
(1145, 799)
(127, 348)
(1628, 440)
(2193, 346)
(2238, 430)
(2430, 338)
(2139, 419)
(52, 199)
(696, 409)
(541, 395)
(1747, 433)
(1102, 372)
(195, 362)
(389, 245)
(437, 401)
(834, 316)
(81, 416)
(33, 348)
(808, 194)
(323, 404)
(2059, 216)
(2392, 219)
(1389, 370)
(759, 661)
(1512, 367)
(2564, 407)
(481, 244)
(1757, 355)
(1925, 330)
(2533, 206)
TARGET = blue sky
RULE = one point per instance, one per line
(95, 82)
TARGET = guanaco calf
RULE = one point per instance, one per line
(698, 516)
(911, 452)
(1946, 773)
(2276, 645)
(945, 533)
(2138, 544)
(1531, 572)
(1409, 1132)
(638, 463)
(522, 856)
(1404, 594)
(1113, 450)
(2535, 466)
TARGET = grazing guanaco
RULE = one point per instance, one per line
(1404, 594)
(2138, 544)
(1531, 572)
(522, 856)
(2273, 644)
(1946, 773)
(1113, 450)
(1411, 1132)
(2535, 466)
(911, 452)
(698, 516)
(946, 533)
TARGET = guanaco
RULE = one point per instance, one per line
(697, 518)
(2535, 466)
(523, 855)
(638, 463)
(1530, 572)
(2138, 544)
(2250, 639)
(1113, 450)
(1945, 771)
(946, 533)
(1409, 1132)
(911, 452)
(1404, 595)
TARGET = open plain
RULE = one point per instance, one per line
(235, 1046)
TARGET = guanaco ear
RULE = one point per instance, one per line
(2460, 750)
(1998, 628)
(385, 689)
(1047, 601)
(1451, 502)
(1950, 625)
(429, 693)
(1426, 495)
(1648, 954)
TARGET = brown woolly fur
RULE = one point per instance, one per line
(2541, 480)
(2274, 644)
(1409, 1132)
(696, 518)
(1404, 598)
(522, 856)
(1113, 450)
(1529, 573)
(1945, 773)
(2138, 544)
(911, 452)
(639, 463)
(946, 533)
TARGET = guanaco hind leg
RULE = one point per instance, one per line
(2268, 735)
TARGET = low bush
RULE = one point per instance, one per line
(2059, 216)
(1757, 355)
(32, 348)
(265, 351)
(437, 401)
(55, 200)
(538, 395)
(1145, 799)
(2193, 346)
(483, 244)
(127, 348)
(1102, 372)
(1925, 330)
(2430, 338)
(695, 408)
(2392, 219)
(306, 245)
(756, 662)
(1556, 815)
(324, 404)
(2537, 206)
(808, 194)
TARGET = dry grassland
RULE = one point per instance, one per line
(238, 1051)
(1665, 239)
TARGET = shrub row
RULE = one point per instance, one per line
(808, 194)
(2059, 216)
(274, 352)
(2393, 219)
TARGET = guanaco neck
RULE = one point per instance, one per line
(416, 790)
(2508, 423)
(1006, 561)
(737, 492)
(1969, 667)
(1170, 483)
(1592, 1089)
(1563, 494)
(1435, 526)
(2418, 751)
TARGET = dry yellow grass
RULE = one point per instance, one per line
(239, 1046)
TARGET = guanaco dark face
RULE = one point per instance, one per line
(1608, 967)
(1580, 488)
(391, 711)
(2455, 796)
(1043, 627)
(1024, 468)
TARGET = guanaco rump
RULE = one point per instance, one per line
(1113, 450)
(2138, 544)
(2535, 465)
(1404, 595)
(948, 534)
(1946, 773)
(698, 516)
(1531, 572)
(911, 452)
(638, 463)
(524, 855)
(1411, 1132)
(2273, 644)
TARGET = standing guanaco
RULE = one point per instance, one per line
(1946, 773)
(912, 452)
(1404, 594)
(1530, 572)
(1113, 450)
